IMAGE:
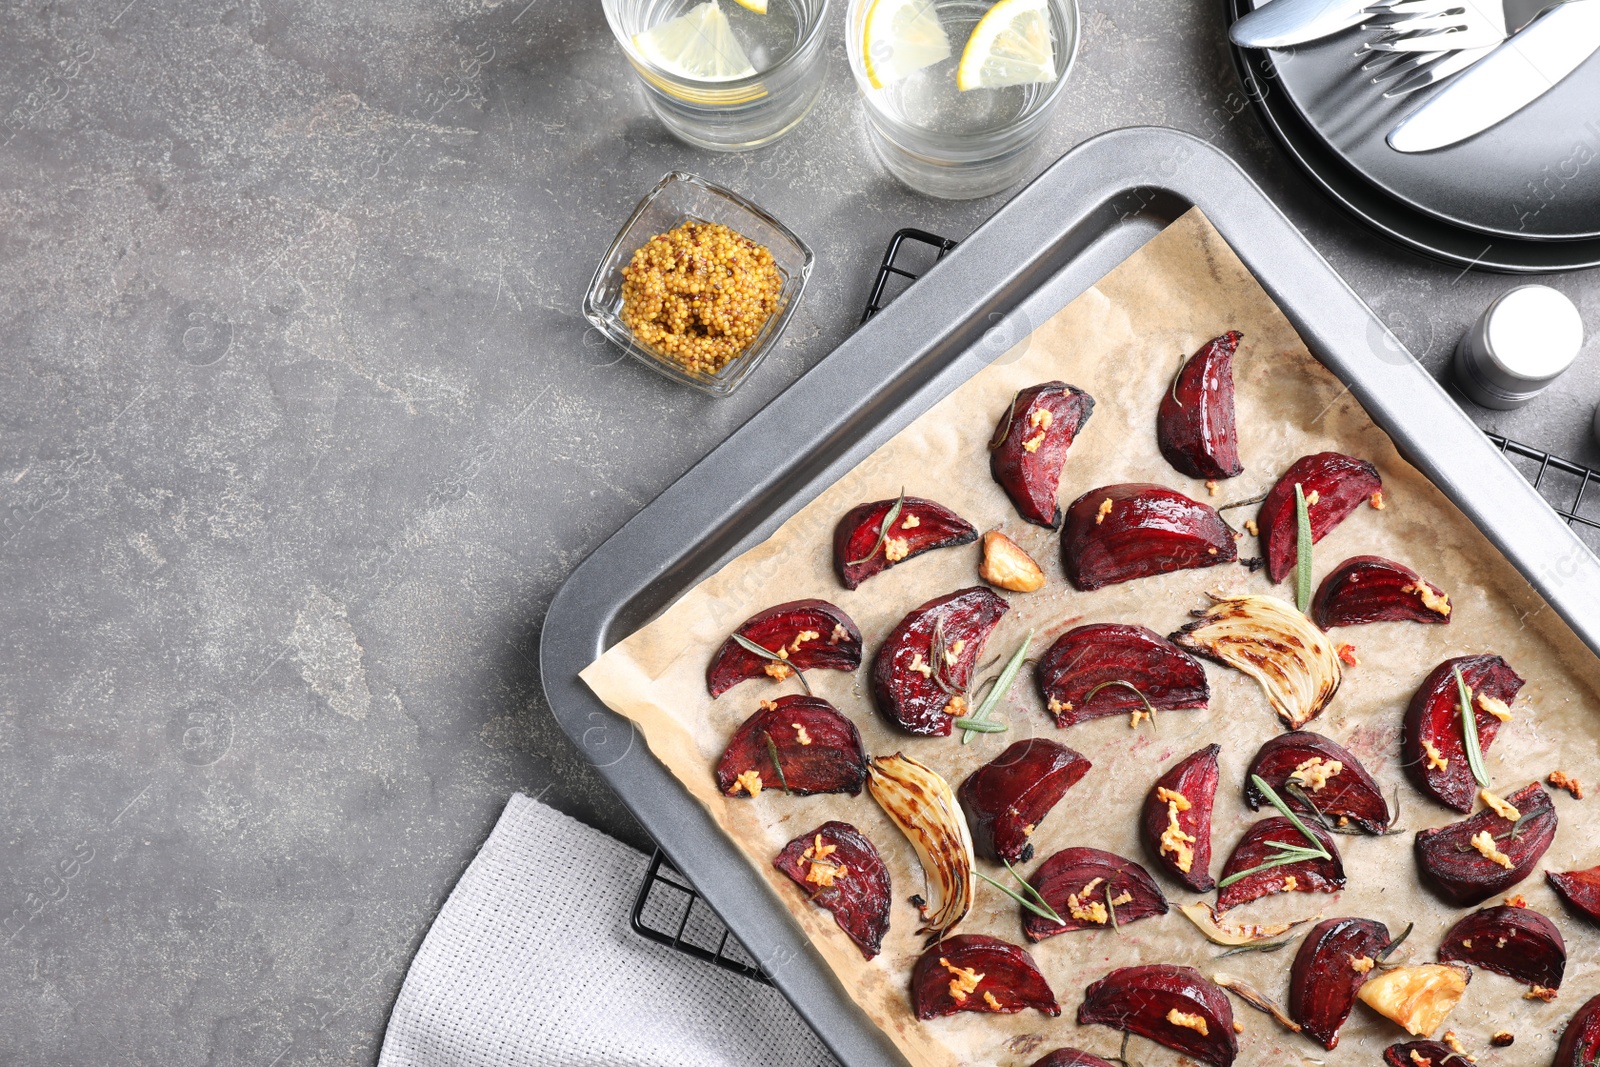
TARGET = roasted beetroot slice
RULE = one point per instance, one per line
(1465, 876)
(1580, 889)
(859, 551)
(1176, 821)
(1195, 424)
(1516, 942)
(1083, 886)
(1172, 1006)
(976, 972)
(1070, 1057)
(1105, 658)
(1030, 445)
(1007, 798)
(1121, 532)
(1255, 848)
(912, 684)
(1432, 1053)
(1341, 483)
(817, 748)
(847, 878)
(1434, 719)
(1580, 1042)
(1366, 589)
(1329, 969)
(809, 634)
(1350, 793)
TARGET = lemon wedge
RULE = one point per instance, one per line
(698, 44)
(758, 6)
(899, 37)
(1011, 45)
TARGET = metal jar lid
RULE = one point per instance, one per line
(1523, 341)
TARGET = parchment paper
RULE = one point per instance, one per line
(1121, 340)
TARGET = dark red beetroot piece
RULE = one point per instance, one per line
(1324, 979)
(976, 972)
(1463, 875)
(1351, 793)
(829, 759)
(1366, 589)
(1432, 1053)
(1255, 848)
(810, 635)
(1140, 1000)
(1580, 1042)
(1069, 1057)
(1121, 532)
(1580, 889)
(1341, 483)
(1088, 659)
(1434, 718)
(1075, 880)
(1516, 942)
(1185, 854)
(912, 683)
(1195, 424)
(862, 548)
(1030, 445)
(1007, 798)
(847, 878)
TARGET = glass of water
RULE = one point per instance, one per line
(954, 104)
(727, 75)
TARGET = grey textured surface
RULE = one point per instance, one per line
(302, 430)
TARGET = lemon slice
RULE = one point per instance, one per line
(1011, 45)
(758, 6)
(899, 37)
(698, 44)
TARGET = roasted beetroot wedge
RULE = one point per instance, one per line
(1580, 889)
(1195, 426)
(1007, 798)
(1172, 1006)
(1030, 445)
(1421, 1054)
(1069, 1057)
(1516, 942)
(805, 634)
(921, 671)
(1580, 1042)
(1474, 859)
(840, 870)
(1334, 485)
(874, 537)
(1330, 967)
(1256, 848)
(976, 972)
(1089, 888)
(1121, 532)
(1432, 742)
(1304, 766)
(798, 744)
(1106, 659)
(1366, 589)
(1176, 822)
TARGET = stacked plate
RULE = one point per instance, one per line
(1522, 196)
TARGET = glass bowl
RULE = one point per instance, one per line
(679, 198)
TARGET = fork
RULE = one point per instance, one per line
(1425, 41)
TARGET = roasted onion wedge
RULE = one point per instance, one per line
(1176, 820)
(1030, 445)
(1117, 533)
(1514, 941)
(1366, 589)
(839, 869)
(806, 634)
(1325, 773)
(921, 803)
(1007, 798)
(1172, 1006)
(797, 744)
(1195, 427)
(1232, 935)
(920, 672)
(1111, 660)
(1329, 969)
(1432, 743)
(1334, 485)
(976, 972)
(1091, 890)
(1266, 638)
(1256, 847)
(1477, 858)
(863, 546)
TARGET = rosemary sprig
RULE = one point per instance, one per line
(1285, 853)
(1148, 707)
(1302, 572)
(1388, 950)
(772, 750)
(766, 653)
(889, 518)
(979, 726)
(1004, 428)
(1277, 802)
(1183, 361)
(997, 691)
(1255, 946)
(1469, 730)
(1258, 498)
(939, 651)
(1042, 908)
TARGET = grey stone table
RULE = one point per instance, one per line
(302, 430)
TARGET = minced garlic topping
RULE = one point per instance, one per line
(749, 781)
(1562, 780)
(910, 522)
(1376, 500)
(1083, 907)
(1041, 419)
(1312, 497)
(822, 873)
(1058, 706)
(1347, 652)
(1197, 1023)
(801, 638)
(963, 980)
(896, 549)
(1435, 761)
(988, 998)
(839, 633)
(1211, 487)
(1539, 992)
(957, 706)
(1251, 528)
(1453, 1043)
(1172, 797)
(777, 671)
(924, 669)
(1173, 839)
(1290, 885)
(1431, 598)
(1362, 964)
(1314, 773)
(1032, 444)
(1494, 707)
(800, 734)
(953, 652)
(1105, 509)
(1420, 1060)
(1122, 898)
(1483, 841)
(1501, 808)
(768, 705)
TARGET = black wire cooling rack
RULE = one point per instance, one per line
(670, 912)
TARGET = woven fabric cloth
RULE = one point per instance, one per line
(532, 962)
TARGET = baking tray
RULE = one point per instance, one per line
(1075, 222)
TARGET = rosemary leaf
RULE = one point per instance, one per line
(980, 726)
(1290, 854)
(1148, 707)
(1302, 572)
(772, 750)
(1044, 912)
(1183, 361)
(766, 653)
(996, 691)
(1469, 730)
(1004, 428)
(1277, 802)
(1255, 946)
(1385, 952)
(883, 529)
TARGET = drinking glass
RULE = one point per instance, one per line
(784, 45)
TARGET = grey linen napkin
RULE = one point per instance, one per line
(532, 962)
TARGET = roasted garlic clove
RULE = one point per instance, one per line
(1334, 485)
(920, 672)
(1332, 964)
(1266, 638)
(1366, 589)
(862, 546)
(1418, 997)
(922, 805)
(1517, 942)
(795, 744)
(1007, 798)
(1007, 566)
(1195, 427)
(1122, 666)
(839, 869)
(1030, 445)
(1091, 890)
(1176, 821)
(976, 972)
(1326, 773)
(804, 635)
(1432, 743)
(1172, 1006)
(1469, 861)
(1117, 533)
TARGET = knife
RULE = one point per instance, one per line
(1285, 22)
(1510, 78)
